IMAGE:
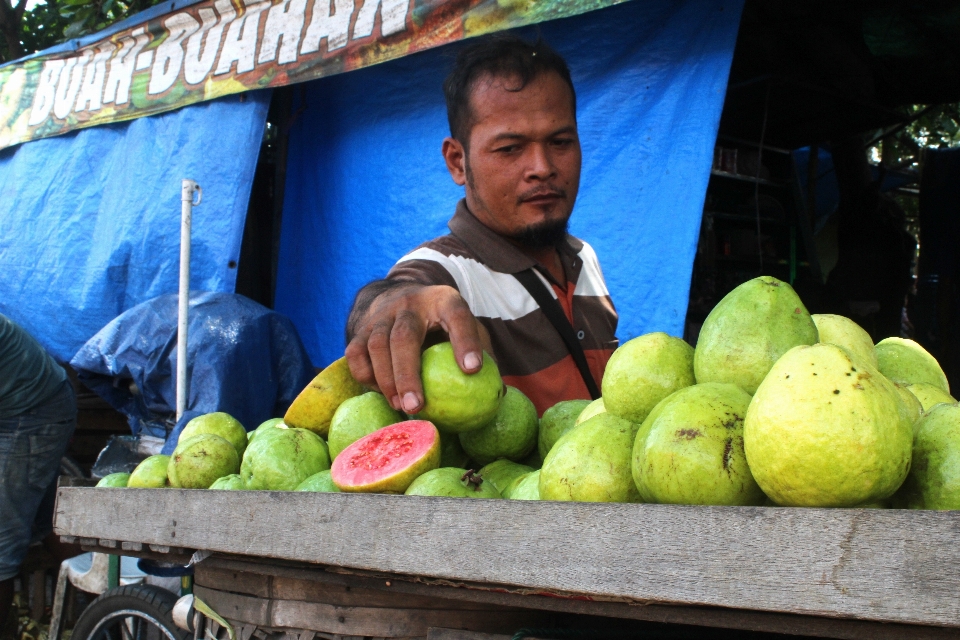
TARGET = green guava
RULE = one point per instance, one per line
(644, 371)
(556, 421)
(232, 482)
(512, 434)
(200, 460)
(594, 408)
(282, 460)
(150, 474)
(114, 480)
(321, 482)
(846, 333)
(910, 401)
(526, 487)
(827, 430)
(389, 459)
(906, 362)
(748, 331)
(451, 451)
(501, 473)
(268, 424)
(929, 395)
(452, 482)
(591, 463)
(454, 401)
(357, 417)
(689, 450)
(934, 478)
(220, 424)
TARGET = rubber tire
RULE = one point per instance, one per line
(153, 601)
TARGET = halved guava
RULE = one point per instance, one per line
(389, 459)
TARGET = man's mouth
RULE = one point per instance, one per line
(542, 196)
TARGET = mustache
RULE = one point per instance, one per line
(536, 192)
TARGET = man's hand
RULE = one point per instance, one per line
(384, 349)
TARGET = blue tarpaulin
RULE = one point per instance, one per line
(90, 221)
(244, 359)
(366, 182)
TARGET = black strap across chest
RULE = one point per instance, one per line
(554, 312)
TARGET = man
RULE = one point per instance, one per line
(38, 412)
(515, 149)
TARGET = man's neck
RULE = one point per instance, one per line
(549, 259)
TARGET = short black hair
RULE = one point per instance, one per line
(498, 55)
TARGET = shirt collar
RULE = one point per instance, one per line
(493, 249)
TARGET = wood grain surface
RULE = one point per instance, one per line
(869, 564)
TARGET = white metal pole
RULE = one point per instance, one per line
(187, 190)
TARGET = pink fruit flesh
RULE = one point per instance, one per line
(384, 453)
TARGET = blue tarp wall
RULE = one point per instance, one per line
(90, 221)
(366, 182)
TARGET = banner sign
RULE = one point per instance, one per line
(220, 47)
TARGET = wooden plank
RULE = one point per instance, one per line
(357, 620)
(286, 588)
(801, 625)
(881, 565)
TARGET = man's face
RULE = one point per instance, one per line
(522, 168)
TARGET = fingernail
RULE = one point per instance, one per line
(471, 361)
(410, 402)
(395, 402)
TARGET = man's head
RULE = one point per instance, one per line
(514, 144)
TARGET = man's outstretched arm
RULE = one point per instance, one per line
(386, 329)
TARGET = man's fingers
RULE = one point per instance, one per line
(460, 324)
(359, 360)
(378, 346)
(406, 338)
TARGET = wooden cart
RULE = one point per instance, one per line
(334, 565)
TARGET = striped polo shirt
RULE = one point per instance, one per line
(528, 349)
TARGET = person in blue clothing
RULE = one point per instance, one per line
(38, 413)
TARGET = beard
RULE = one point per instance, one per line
(543, 235)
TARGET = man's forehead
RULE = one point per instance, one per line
(493, 92)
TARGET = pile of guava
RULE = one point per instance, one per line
(774, 406)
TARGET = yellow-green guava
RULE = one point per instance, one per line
(556, 421)
(320, 482)
(357, 417)
(114, 480)
(846, 333)
(913, 405)
(200, 460)
(826, 429)
(906, 362)
(283, 459)
(454, 401)
(501, 473)
(512, 433)
(220, 424)
(644, 371)
(748, 331)
(451, 451)
(526, 487)
(389, 459)
(150, 474)
(594, 408)
(934, 478)
(313, 409)
(232, 482)
(591, 463)
(264, 426)
(929, 395)
(689, 450)
(452, 482)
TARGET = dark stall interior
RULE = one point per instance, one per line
(834, 159)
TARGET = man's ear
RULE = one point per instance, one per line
(455, 157)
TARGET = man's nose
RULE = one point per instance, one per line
(540, 165)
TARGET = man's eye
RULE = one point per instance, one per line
(563, 142)
(510, 148)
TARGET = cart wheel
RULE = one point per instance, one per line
(132, 611)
